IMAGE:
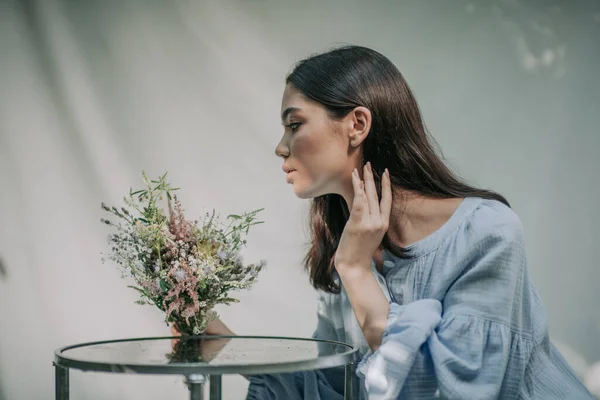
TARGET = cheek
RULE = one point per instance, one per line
(309, 155)
(316, 152)
(304, 144)
(319, 161)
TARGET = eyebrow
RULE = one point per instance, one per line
(288, 111)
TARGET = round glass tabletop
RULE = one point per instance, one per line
(206, 354)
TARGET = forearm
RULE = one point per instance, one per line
(219, 328)
(368, 301)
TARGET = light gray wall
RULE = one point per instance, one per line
(93, 92)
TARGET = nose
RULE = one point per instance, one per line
(282, 150)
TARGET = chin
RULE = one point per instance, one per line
(303, 192)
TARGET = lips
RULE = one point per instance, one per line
(289, 174)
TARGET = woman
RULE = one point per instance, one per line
(424, 273)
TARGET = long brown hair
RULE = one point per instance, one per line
(352, 76)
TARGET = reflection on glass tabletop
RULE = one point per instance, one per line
(214, 351)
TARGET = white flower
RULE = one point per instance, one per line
(156, 266)
(179, 275)
(239, 260)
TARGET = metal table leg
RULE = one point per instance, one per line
(61, 382)
(195, 383)
(215, 387)
(351, 383)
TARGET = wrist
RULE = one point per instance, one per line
(357, 270)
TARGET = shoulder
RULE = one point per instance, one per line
(492, 224)
(488, 273)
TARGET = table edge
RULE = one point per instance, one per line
(322, 362)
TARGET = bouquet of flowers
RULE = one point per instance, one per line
(183, 267)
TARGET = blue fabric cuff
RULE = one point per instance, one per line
(407, 328)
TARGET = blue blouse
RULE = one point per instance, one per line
(465, 322)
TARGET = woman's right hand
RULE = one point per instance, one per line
(208, 347)
(215, 328)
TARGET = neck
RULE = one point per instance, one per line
(413, 216)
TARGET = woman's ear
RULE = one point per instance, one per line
(359, 121)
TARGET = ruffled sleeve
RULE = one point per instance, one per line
(408, 327)
(477, 340)
(473, 356)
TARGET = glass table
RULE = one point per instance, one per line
(206, 358)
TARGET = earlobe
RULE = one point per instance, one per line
(356, 139)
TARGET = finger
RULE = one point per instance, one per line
(359, 193)
(371, 191)
(386, 197)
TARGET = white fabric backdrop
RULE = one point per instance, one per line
(93, 92)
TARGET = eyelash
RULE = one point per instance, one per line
(294, 126)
